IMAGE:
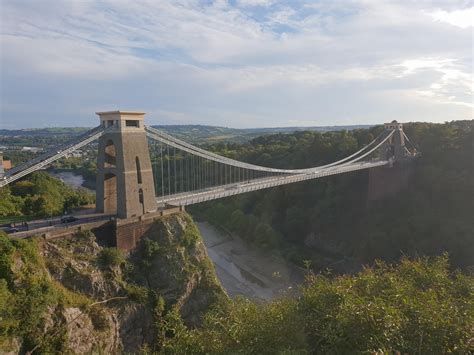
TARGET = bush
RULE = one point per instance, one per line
(137, 293)
(99, 319)
(41, 195)
(109, 257)
(415, 307)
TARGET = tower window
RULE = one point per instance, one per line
(139, 170)
(132, 123)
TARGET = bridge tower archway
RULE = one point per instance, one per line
(125, 183)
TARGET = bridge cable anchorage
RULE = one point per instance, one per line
(231, 162)
(51, 156)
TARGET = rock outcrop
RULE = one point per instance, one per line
(106, 302)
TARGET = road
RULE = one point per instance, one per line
(44, 225)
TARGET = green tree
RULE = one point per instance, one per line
(418, 306)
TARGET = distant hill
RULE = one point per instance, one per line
(192, 133)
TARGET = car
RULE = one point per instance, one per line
(11, 230)
(68, 219)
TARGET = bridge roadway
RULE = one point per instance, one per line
(47, 225)
(51, 156)
(189, 198)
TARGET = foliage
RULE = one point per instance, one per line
(110, 257)
(431, 214)
(27, 293)
(40, 195)
(191, 235)
(137, 293)
(10, 205)
(99, 318)
(414, 307)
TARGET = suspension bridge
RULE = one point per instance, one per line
(141, 170)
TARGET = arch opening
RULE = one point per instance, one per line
(110, 193)
(141, 200)
(110, 156)
(139, 170)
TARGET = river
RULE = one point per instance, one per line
(69, 178)
(243, 271)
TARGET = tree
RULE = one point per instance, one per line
(238, 221)
(265, 236)
(417, 306)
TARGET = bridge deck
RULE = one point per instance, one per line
(185, 199)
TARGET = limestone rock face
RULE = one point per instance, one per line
(172, 260)
(112, 308)
(81, 334)
(135, 327)
(74, 264)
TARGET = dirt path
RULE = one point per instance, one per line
(246, 272)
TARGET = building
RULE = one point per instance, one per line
(7, 164)
(4, 164)
(32, 149)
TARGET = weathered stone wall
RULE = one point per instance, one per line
(121, 233)
(386, 182)
(128, 232)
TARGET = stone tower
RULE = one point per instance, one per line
(395, 146)
(124, 174)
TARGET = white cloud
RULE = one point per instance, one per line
(256, 2)
(460, 18)
(187, 61)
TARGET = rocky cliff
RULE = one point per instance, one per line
(75, 296)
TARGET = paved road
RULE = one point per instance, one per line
(47, 224)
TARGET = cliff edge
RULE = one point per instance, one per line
(74, 296)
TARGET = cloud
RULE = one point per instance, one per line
(256, 2)
(459, 18)
(236, 63)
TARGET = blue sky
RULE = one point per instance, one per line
(236, 63)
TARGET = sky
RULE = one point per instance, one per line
(236, 63)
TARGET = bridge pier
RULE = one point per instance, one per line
(390, 180)
(128, 232)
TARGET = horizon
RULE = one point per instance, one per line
(199, 125)
(236, 63)
(235, 128)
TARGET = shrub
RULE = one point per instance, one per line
(109, 257)
(417, 306)
(137, 293)
(99, 318)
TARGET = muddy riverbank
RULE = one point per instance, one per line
(72, 179)
(246, 272)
